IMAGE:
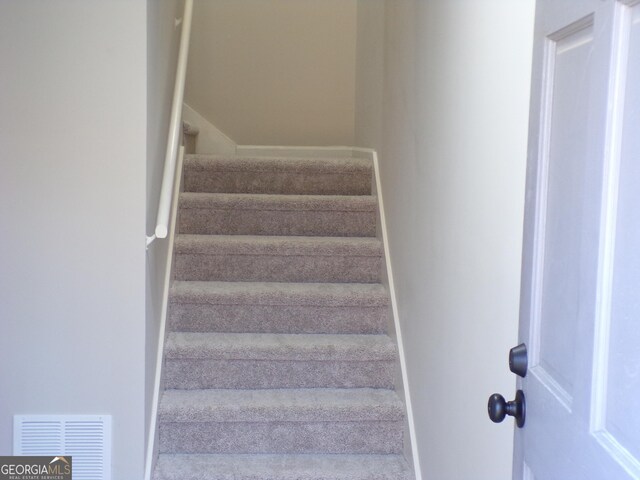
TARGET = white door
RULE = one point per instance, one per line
(580, 299)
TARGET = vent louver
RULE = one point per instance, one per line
(87, 438)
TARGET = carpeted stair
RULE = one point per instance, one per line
(277, 363)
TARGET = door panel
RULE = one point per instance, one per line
(564, 199)
(580, 299)
(620, 431)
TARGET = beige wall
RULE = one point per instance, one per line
(275, 72)
(72, 203)
(447, 112)
(370, 63)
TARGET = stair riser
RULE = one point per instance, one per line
(281, 467)
(285, 183)
(186, 317)
(257, 374)
(282, 437)
(278, 268)
(210, 221)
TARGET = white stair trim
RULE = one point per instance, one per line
(151, 452)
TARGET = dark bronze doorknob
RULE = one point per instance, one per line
(499, 408)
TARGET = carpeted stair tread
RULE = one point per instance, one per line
(270, 307)
(246, 201)
(247, 258)
(278, 245)
(258, 214)
(264, 346)
(202, 162)
(320, 176)
(280, 437)
(273, 293)
(281, 405)
(281, 467)
(267, 361)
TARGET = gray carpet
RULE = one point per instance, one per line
(204, 173)
(283, 467)
(278, 259)
(263, 214)
(277, 362)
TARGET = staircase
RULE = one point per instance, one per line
(277, 362)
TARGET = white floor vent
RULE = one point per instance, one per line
(87, 438)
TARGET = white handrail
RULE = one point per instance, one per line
(175, 129)
(153, 420)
